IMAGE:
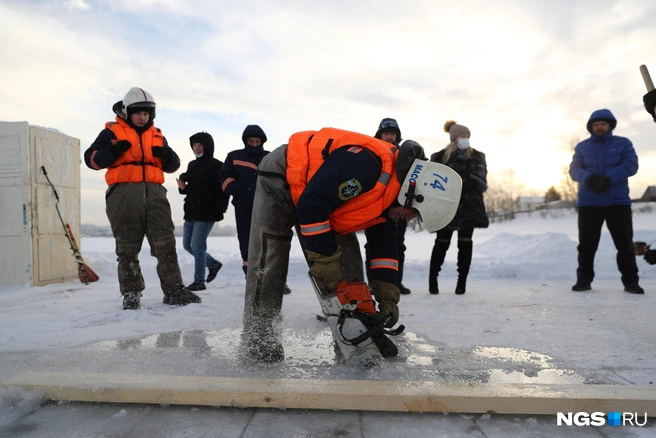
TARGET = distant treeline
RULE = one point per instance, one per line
(90, 230)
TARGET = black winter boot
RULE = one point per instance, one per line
(437, 259)
(583, 282)
(464, 262)
(213, 272)
(245, 269)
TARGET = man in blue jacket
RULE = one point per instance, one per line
(602, 165)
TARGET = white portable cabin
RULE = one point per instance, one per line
(34, 248)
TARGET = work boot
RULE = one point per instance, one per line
(404, 290)
(211, 275)
(432, 286)
(286, 290)
(131, 300)
(181, 298)
(245, 269)
(195, 286)
(634, 288)
(262, 344)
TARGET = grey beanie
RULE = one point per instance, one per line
(455, 130)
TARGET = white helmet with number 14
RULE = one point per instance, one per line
(432, 189)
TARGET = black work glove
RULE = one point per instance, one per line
(469, 185)
(163, 153)
(649, 101)
(605, 183)
(119, 147)
(598, 183)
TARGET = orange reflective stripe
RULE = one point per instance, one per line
(245, 164)
(93, 163)
(226, 183)
(316, 228)
(384, 263)
(355, 149)
(306, 152)
(245, 263)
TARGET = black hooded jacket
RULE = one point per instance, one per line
(205, 201)
(239, 173)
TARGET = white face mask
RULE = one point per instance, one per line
(463, 143)
(197, 155)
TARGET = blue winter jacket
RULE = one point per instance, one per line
(606, 155)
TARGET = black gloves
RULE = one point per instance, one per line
(469, 185)
(119, 147)
(649, 100)
(163, 153)
(598, 183)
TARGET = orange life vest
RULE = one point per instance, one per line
(137, 164)
(305, 154)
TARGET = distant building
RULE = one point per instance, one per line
(649, 195)
(529, 203)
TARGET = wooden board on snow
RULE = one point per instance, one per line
(361, 395)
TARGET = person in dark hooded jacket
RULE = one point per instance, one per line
(389, 131)
(204, 205)
(239, 178)
(602, 165)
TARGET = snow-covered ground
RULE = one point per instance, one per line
(518, 322)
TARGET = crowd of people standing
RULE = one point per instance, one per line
(322, 190)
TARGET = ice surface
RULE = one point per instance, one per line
(519, 322)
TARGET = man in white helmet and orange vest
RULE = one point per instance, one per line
(136, 155)
(330, 184)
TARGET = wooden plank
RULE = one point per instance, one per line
(361, 395)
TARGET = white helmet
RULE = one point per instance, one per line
(138, 98)
(432, 189)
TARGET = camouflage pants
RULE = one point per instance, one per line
(135, 211)
(274, 216)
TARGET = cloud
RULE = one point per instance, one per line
(524, 76)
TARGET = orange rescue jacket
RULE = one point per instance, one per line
(137, 164)
(305, 154)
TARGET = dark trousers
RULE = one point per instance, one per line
(620, 225)
(243, 219)
(401, 226)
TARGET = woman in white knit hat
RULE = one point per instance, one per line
(472, 168)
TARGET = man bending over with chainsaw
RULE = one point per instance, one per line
(330, 184)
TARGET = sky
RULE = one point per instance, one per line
(518, 322)
(523, 76)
